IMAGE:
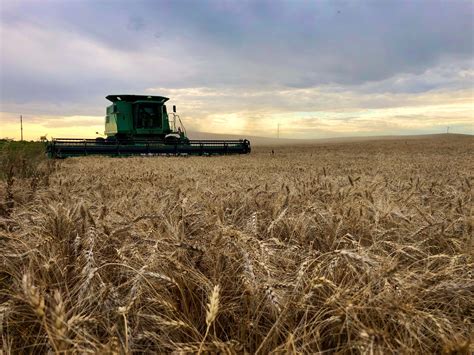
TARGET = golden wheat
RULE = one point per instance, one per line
(352, 248)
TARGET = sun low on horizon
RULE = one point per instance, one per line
(292, 69)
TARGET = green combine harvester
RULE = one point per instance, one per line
(140, 125)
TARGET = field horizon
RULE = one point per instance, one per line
(266, 141)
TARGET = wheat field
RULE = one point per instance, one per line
(362, 247)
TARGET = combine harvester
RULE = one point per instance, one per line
(139, 125)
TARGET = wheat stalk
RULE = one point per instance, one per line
(33, 296)
(211, 312)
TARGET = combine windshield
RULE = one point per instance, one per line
(148, 115)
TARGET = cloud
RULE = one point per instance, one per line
(334, 99)
(232, 58)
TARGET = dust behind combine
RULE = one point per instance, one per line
(357, 247)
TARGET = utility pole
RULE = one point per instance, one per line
(447, 131)
(21, 126)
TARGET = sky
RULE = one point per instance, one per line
(317, 69)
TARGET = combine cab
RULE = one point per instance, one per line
(140, 125)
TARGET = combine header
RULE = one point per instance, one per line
(140, 125)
